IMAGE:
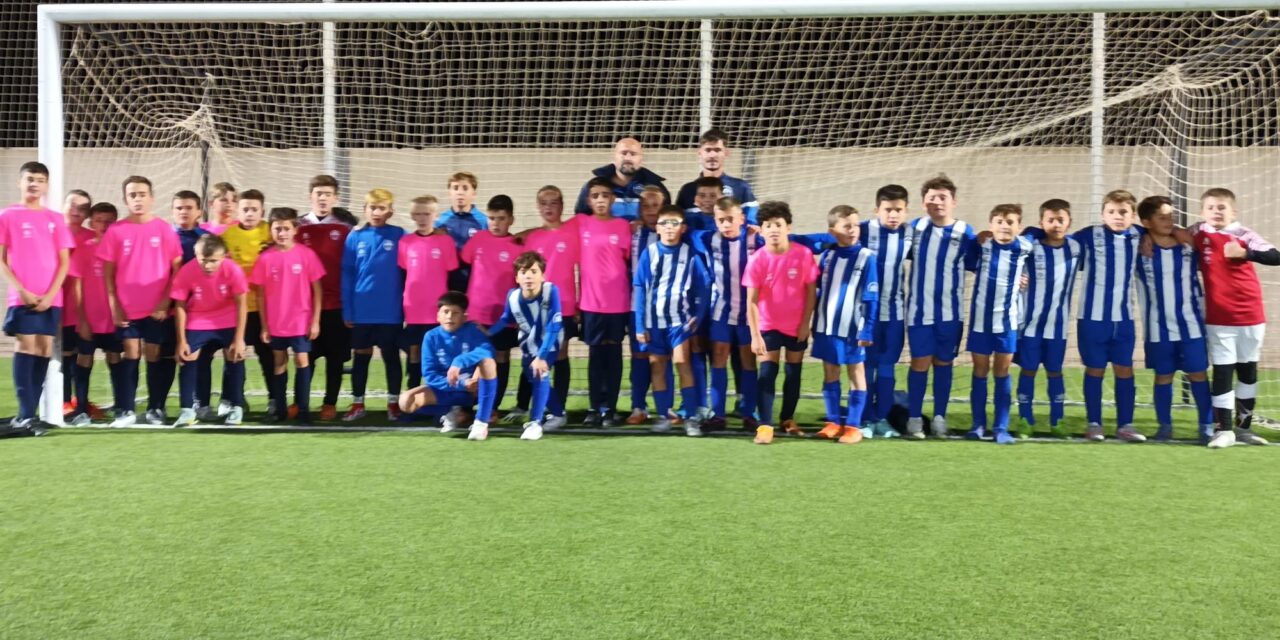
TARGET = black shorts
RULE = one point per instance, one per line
(506, 339)
(385, 337)
(334, 342)
(105, 342)
(776, 340)
(569, 329)
(604, 328)
(412, 335)
(70, 338)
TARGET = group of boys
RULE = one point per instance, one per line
(717, 282)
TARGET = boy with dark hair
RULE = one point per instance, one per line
(457, 369)
(186, 222)
(491, 254)
(96, 328)
(286, 280)
(427, 256)
(939, 243)
(606, 299)
(75, 210)
(701, 216)
(886, 235)
(371, 277)
(462, 220)
(534, 307)
(1051, 276)
(848, 293)
(209, 294)
(557, 242)
(324, 230)
(246, 240)
(35, 254)
(141, 254)
(781, 282)
(669, 302)
(713, 154)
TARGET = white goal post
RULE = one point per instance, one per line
(705, 15)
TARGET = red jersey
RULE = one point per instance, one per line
(1233, 294)
(327, 240)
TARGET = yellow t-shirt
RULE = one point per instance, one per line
(243, 246)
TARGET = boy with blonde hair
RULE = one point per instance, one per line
(371, 277)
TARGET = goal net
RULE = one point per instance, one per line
(1015, 108)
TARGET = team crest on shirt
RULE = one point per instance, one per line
(503, 256)
(388, 245)
(154, 241)
(51, 227)
(561, 247)
(726, 191)
(334, 235)
(793, 273)
(613, 239)
(295, 269)
(471, 232)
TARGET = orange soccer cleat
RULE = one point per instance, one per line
(851, 435)
(328, 413)
(830, 431)
(764, 435)
(792, 429)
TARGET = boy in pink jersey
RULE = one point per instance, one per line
(35, 254)
(557, 242)
(141, 255)
(492, 256)
(286, 280)
(95, 330)
(427, 256)
(781, 281)
(75, 209)
(605, 250)
(209, 294)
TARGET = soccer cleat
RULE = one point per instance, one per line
(1222, 440)
(592, 419)
(850, 435)
(868, 432)
(124, 419)
(885, 430)
(692, 429)
(1004, 437)
(479, 431)
(235, 417)
(451, 421)
(1094, 433)
(610, 421)
(750, 424)
(1059, 430)
(1247, 436)
(939, 427)
(393, 411)
(661, 426)
(1164, 433)
(356, 412)
(764, 435)
(553, 423)
(915, 428)
(224, 408)
(704, 414)
(514, 416)
(978, 432)
(1025, 429)
(532, 431)
(96, 412)
(207, 414)
(292, 412)
(714, 423)
(328, 413)
(186, 418)
(792, 429)
(155, 417)
(1128, 434)
(830, 431)
(271, 407)
(81, 420)
(638, 416)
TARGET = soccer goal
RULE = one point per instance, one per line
(824, 101)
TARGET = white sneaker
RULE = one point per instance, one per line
(1094, 433)
(449, 421)
(939, 427)
(532, 431)
(553, 423)
(125, 420)
(224, 408)
(1222, 440)
(692, 429)
(515, 416)
(479, 431)
(235, 417)
(705, 414)
(1247, 436)
(186, 418)
(1128, 434)
(156, 417)
(915, 428)
(661, 426)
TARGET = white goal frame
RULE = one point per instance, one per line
(50, 19)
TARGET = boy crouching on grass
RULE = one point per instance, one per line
(458, 369)
(211, 309)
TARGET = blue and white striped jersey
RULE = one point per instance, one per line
(539, 320)
(727, 261)
(937, 282)
(1170, 295)
(669, 287)
(1109, 260)
(640, 240)
(995, 306)
(891, 247)
(1047, 302)
(848, 293)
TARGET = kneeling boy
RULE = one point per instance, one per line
(458, 369)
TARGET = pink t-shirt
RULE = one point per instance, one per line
(604, 249)
(781, 280)
(493, 274)
(32, 240)
(559, 247)
(210, 298)
(285, 278)
(427, 261)
(70, 312)
(90, 268)
(143, 255)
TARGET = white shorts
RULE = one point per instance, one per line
(1234, 345)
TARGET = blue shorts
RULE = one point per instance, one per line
(21, 320)
(1034, 352)
(604, 328)
(775, 340)
(939, 340)
(213, 338)
(738, 335)
(106, 342)
(1187, 356)
(367, 336)
(151, 331)
(299, 344)
(664, 341)
(985, 343)
(888, 337)
(453, 396)
(1101, 343)
(412, 335)
(837, 350)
